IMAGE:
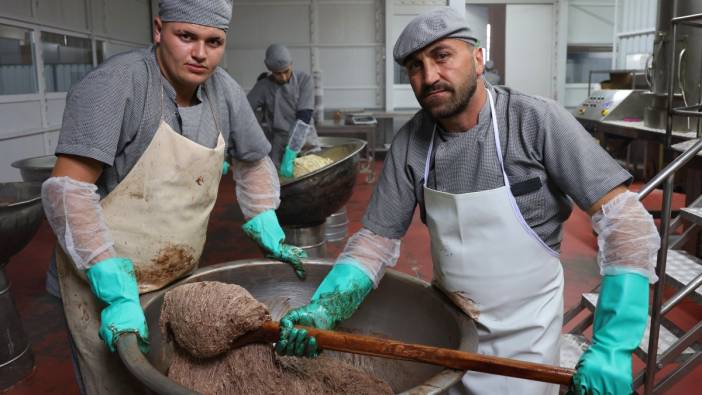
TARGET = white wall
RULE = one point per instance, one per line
(30, 122)
(590, 22)
(530, 48)
(342, 38)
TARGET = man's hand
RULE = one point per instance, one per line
(113, 282)
(265, 230)
(620, 320)
(336, 299)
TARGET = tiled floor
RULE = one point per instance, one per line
(44, 324)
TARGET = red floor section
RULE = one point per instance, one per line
(44, 323)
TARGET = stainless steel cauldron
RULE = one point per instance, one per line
(310, 199)
(20, 216)
(402, 308)
(35, 169)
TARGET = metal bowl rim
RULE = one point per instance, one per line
(20, 164)
(22, 203)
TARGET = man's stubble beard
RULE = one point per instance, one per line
(458, 103)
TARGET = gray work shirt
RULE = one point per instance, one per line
(548, 157)
(281, 102)
(113, 113)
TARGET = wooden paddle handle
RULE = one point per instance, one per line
(454, 359)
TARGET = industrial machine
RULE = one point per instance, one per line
(612, 104)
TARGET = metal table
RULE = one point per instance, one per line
(330, 128)
(633, 131)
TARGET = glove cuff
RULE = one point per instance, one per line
(113, 279)
(256, 224)
(622, 311)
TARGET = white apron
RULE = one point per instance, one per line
(157, 216)
(498, 271)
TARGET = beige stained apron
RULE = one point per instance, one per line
(498, 271)
(157, 216)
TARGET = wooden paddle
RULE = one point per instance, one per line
(269, 332)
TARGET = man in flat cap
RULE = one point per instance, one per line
(140, 158)
(494, 172)
(285, 97)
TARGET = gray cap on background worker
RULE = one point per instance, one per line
(214, 13)
(277, 57)
(444, 22)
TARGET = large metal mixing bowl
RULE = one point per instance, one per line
(20, 216)
(35, 169)
(402, 308)
(310, 199)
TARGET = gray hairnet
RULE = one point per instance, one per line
(277, 57)
(213, 13)
(444, 22)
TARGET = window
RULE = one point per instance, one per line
(18, 73)
(66, 60)
(582, 60)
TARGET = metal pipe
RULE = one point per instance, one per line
(140, 367)
(686, 18)
(651, 358)
(681, 344)
(685, 368)
(671, 168)
(689, 288)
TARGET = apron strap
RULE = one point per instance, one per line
(498, 145)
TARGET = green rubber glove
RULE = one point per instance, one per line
(620, 321)
(225, 168)
(265, 230)
(336, 299)
(113, 281)
(288, 163)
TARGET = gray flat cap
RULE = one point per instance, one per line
(213, 13)
(277, 57)
(444, 22)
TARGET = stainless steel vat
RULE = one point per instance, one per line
(35, 169)
(310, 199)
(336, 227)
(20, 216)
(310, 239)
(402, 308)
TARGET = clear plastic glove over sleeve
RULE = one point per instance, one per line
(627, 237)
(371, 253)
(75, 215)
(257, 186)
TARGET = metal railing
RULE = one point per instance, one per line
(658, 309)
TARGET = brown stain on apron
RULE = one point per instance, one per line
(170, 262)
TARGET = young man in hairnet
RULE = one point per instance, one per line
(139, 163)
(285, 96)
(493, 171)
